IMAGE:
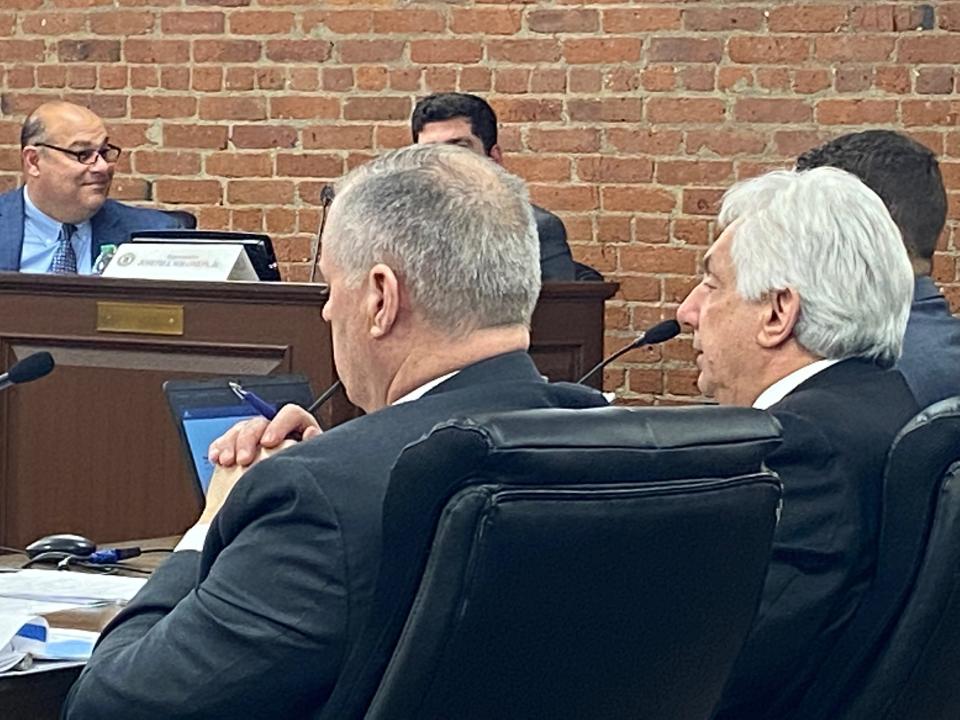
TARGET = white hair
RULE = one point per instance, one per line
(826, 235)
(457, 228)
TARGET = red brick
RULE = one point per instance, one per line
(772, 110)
(853, 48)
(735, 78)
(354, 137)
(702, 201)
(8, 24)
(659, 259)
(251, 220)
(855, 78)
(791, 143)
(856, 112)
(233, 108)
(548, 80)
(369, 51)
(659, 78)
(309, 51)
(645, 141)
(263, 136)
(807, 18)
(693, 172)
(307, 79)
(261, 22)
(310, 165)
(639, 20)
(627, 109)
(163, 106)
(622, 79)
(260, 192)
(49, 76)
(238, 78)
(872, 17)
(547, 168)
(83, 77)
(192, 23)
(606, 169)
(893, 79)
(49, 23)
(714, 19)
(648, 380)
(573, 20)
(445, 51)
(934, 81)
(637, 198)
(144, 76)
(187, 191)
(127, 189)
(371, 77)
(605, 50)
(523, 51)
(929, 49)
(565, 197)
(174, 77)
(948, 15)
(930, 112)
(725, 143)
(226, 51)
(439, 78)
(472, 79)
(810, 81)
(573, 140)
(388, 137)
(69, 50)
(682, 49)
(229, 164)
(166, 163)
(208, 79)
(222, 3)
(342, 22)
(122, 22)
(377, 108)
(685, 110)
(700, 78)
(304, 107)
(769, 49)
(511, 110)
(195, 136)
(271, 78)
(141, 50)
(408, 21)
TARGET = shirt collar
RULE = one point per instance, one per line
(785, 385)
(419, 392)
(46, 224)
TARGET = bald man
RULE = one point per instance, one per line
(61, 217)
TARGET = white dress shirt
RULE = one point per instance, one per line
(785, 385)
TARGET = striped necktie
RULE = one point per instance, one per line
(65, 259)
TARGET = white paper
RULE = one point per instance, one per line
(176, 261)
(20, 635)
(74, 588)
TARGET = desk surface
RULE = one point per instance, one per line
(38, 696)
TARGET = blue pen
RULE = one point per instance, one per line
(254, 401)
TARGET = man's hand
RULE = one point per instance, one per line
(241, 444)
(224, 478)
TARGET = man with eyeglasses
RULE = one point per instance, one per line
(58, 221)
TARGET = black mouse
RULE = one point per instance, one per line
(64, 543)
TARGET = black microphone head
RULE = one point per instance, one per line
(31, 367)
(661, 331)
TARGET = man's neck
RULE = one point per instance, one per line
(439, 355)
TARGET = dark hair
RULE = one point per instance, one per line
(32, 130)
(905, 175)
(447, 106)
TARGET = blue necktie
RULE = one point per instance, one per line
(65, 259)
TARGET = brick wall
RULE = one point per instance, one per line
(626, 119)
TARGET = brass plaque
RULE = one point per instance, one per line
(144, 318)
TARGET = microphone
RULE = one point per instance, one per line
(30, 368)
(659, 333)
(326, 197)
(324, 396)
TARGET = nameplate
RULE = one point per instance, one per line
(172, 261)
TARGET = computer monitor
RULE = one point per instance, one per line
(258, 247)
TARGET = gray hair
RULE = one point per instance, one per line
(457, 228)
(828, 236)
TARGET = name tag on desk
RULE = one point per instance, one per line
(172, 261)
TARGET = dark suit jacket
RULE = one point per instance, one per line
(112, 225)
(931, 347)
(837, 429)
(258, 624)
(556, 262)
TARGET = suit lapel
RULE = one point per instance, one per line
(103, 226)
(11, 229)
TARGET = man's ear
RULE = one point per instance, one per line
(780, 313)
(496, 155)
(382, 300)
(30, 157)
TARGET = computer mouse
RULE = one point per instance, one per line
(63, 543)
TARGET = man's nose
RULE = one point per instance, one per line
(689, 311)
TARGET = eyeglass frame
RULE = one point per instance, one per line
(76, 154)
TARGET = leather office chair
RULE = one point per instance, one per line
(602, 564)
(899, 657)
(186, 220)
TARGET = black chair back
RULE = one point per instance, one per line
(899, 627)
(602, 563)
(186, 220)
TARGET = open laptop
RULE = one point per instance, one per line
(205, 409)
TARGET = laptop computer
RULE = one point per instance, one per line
(205, 409)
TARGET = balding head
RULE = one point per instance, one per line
(58, 183)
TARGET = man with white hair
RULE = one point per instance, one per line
(802, 309)
(431, 257)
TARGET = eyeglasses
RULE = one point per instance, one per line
(88, 156)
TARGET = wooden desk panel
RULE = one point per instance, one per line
(92, 448)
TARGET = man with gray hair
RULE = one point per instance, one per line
(802, 309)
(431, 258)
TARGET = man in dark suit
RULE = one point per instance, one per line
(906, 176)
(255, 613)
(802, 311)
(59, 220)
(469, 121)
